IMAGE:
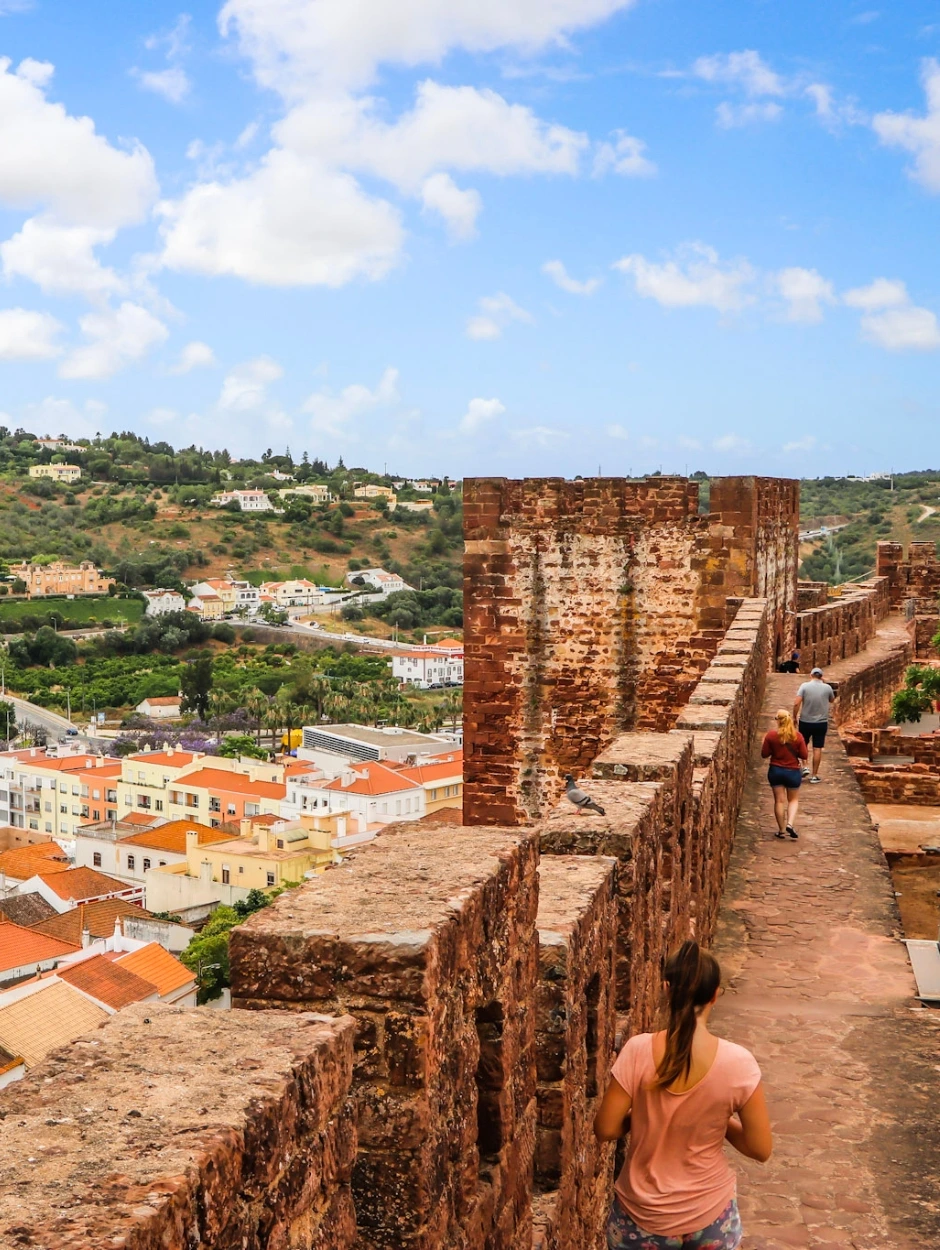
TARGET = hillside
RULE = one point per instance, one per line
(142, 513)
(901, 508)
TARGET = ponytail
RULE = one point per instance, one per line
(692, 979)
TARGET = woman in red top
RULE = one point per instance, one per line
(786, 750)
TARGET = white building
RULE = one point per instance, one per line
(163, 601)
(298, 593)
(332, 747)
(371, 792)
(164, 707)
(313, 492)
(248, 500)
(379, 580)
(431, 666)
(281, 477)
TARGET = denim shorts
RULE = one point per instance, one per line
(792, 778)
(725, 1233)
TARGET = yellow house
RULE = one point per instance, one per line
(265, 856)
(57, 472)
(376, 492)
(208, 606)
(441, 777)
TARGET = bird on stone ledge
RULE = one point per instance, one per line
(583, 802)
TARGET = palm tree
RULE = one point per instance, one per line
(256, 705)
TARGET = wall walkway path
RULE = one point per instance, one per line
(818, 985)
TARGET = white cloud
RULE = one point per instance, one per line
(805, 291)
(559, 275)
(333, 414)
(195, 355)
(696, 278)
(745, 70)
(459, 209)
(733, 116)
(542, 436)
(244, 389)
(834, 113)
(689, 444)
(903, 329)
(802, 444)
(53, 160)
(917, 135)
(479, 413)
(60, 259)
(290, 222)
(891, 320)
(298, 46)
(732, 443)
(28, 335)
(496, 313)
(172, 83)
(117, 337)
(625, 155)
(617, 431)
(459, 128)
(882, 293)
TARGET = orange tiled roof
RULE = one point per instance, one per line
(423, 774)
(23, 862)
(172, 836)
(19, 946)
(178, 758)
(138, 818)
(82, 883)
(234, 783)
(110, 983)
(155, 964)
(40, 1022)
(162, 700)
(372, 778)
(98, 918)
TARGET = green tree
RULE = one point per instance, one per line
(920, 690)
(196, 686)
(234, 746)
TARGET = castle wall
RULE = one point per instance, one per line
(172, 1128)
(917, 576)
(843, 626)
(592, 608)
(427, 938)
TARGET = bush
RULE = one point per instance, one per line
(223, 632)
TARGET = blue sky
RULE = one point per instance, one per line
(477, 236)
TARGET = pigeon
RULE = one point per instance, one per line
(583, 802)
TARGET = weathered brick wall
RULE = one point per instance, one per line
(575, 1027)
(866, 684)
(427, 937)
(926, 626)
(915, 779)
(592, 608)
(173, 1128)
(917, 576)
(670, 803)
(843, 626)
(811, 595)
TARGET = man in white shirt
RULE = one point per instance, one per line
(811, 713)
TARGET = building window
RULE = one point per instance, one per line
(398, 807)
(146, 864)
(48, 827)
(214, 805)
(158, 804)
(270, 878)
(230, 809)
(63, 809)
(214, 824)
(131, 863)
(280, 844)
(96, 814)
(225, 876)
(110, 796)
(110, 814)
(162, 863)
(240, 868)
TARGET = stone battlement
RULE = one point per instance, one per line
(918, 576)
(840, 626)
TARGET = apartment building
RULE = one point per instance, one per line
(56, 796)
(441, 779)
(58, 578)
(236, 596)
(296, 593)
(159, 601)
(430, 666)
(191, 786)
(371, 792)
(56, 472)
(129, 857)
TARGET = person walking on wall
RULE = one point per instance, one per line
(811, 713)
(790, 666)
(680, 1094)
(786, 751)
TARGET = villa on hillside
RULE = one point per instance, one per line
(56, 472)
(58, 578)
(248, 500)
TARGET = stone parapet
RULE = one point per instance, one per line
(916, 576)
(575, 1030)
(842, 626)
(426, 937)
(184, 1127)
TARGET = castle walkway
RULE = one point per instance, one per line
(818, 985)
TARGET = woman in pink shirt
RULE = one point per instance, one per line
(681, 1094)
